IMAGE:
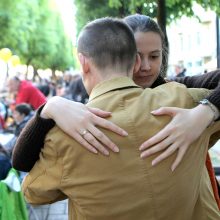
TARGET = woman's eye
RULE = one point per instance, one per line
(154, 56)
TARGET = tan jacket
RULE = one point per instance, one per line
(123, 186)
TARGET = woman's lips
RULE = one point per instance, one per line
(143, 77)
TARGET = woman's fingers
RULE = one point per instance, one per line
(157, 148)
(90, 143)
(99, 112)
(84, 143)
(166, 131)
(169, 151)
(171, 111)
(95, 143)
(157, 138)
(103, 139)
(109, 125)
(97, 140)
(180, 154)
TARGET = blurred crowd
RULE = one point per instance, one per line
(19, 100)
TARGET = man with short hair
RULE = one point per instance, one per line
(26, 92)
(123, 186)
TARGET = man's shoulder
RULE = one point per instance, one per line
(55, 134)
(180, 89)
(168, 89)
(172, 85)
(171, 94)
(59, 138)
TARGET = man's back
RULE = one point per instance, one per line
(124, 186)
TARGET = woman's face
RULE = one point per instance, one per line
(149, 47)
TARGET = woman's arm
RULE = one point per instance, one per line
(186, 125)
(208, 80)
(72, 118)
(30, 141)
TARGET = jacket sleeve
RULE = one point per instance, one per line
(209, 81)
(30, 141)
(43, 183)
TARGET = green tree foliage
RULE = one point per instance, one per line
(164, 10)
(88, 10)
(174, 8)
(34, 31)
(15, 21)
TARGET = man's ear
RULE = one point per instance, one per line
(137, 64)
(83, 62)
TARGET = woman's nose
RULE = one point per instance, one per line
(145, 64)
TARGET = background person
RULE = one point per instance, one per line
(25, 92)
(21, 115)
(78, 92)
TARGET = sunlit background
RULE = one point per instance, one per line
(68, 11)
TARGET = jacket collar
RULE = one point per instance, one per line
(117, 83)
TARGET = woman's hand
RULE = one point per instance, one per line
(184, 128)
(80, 121)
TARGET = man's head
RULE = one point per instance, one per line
(13, 84)
(106, 46)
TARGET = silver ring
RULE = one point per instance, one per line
(84, 132)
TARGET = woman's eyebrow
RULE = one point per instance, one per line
(156, 51)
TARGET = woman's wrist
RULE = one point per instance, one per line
(50, 107)
(212, 107)
(206, 113)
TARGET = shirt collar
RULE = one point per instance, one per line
(116, 83)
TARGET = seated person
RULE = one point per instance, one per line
(21, 115)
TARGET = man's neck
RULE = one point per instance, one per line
(111, 74)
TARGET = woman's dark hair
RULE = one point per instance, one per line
(143, 23)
